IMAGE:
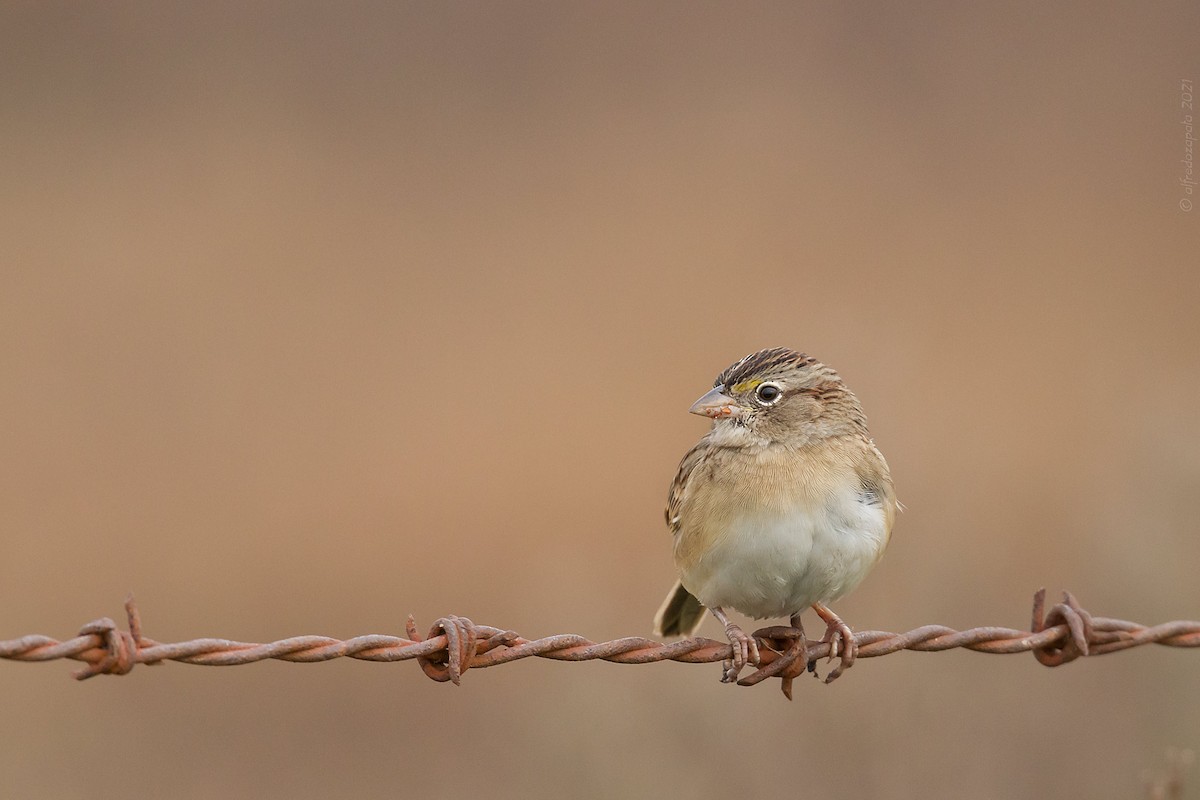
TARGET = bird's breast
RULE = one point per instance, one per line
(771, 534)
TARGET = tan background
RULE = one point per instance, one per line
(313, 318)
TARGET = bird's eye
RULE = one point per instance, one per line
(767, 393)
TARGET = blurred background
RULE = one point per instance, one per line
(317, 316)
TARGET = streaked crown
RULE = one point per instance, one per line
(762, 365)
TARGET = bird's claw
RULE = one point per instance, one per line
(745, 651)
(841, 642)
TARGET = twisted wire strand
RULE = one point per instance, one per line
(455, 644)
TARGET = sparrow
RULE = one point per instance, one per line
(785, 504)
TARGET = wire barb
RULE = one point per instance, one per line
(455, 644)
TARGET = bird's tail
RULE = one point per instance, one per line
(680, 615)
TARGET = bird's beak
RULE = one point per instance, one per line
(716, 405)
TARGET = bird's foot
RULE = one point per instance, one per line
(745, 651)
(840, 639)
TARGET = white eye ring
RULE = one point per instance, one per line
(772, 396)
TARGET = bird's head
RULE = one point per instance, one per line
(781, 395)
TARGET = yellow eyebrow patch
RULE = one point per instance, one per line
(746, 386)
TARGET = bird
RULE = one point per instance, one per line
(785, 504)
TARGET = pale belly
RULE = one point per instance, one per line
(777, 562)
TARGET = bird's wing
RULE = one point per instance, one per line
(679, 487)
(875, 480)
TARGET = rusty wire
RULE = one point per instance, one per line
(455, 644)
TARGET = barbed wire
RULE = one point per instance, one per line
(455, 644)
